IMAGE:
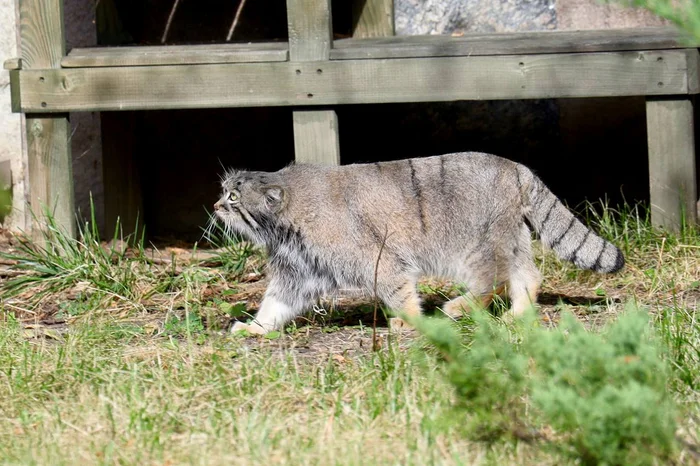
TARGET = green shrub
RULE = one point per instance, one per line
(603, 395)
(489, 378)
(607, 392)
(685, 13)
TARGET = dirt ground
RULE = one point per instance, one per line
(343, 327)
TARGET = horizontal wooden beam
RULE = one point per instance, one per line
(510, 43)
(358, 81)
(176, 55)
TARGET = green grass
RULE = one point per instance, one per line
(57, 262)
(120, 355)
(109, 395)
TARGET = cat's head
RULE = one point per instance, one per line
(250, 201)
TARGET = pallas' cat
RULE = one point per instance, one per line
(463, 216)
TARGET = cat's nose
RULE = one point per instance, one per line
(218, 206)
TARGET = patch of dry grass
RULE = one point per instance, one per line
(151, 376)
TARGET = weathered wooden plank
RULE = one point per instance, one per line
(373, 18)
(123, 200)
(310, 39)
(48, 141)
(356, 82)
(672, 175)
(122, 181)
(12, 64)
(693, 58)
(310, 31)
(316, 137)
(512, 43)
(15, 94)
(41, 33)
(176, 55)
(50, 172)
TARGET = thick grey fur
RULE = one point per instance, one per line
(461, 216)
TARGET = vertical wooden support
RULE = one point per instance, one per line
(373, 18)
(310, 39)
(672, 175)
(121, 174)
(120, 168)
(48, 136)
(316, 136)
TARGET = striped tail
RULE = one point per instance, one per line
(559, 229)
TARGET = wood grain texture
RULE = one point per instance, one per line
(310, 39)
(50, 171)
(693, 64)
(310, 31)
(122, 182)
(512, 43)
(672, 175)
(356, 82)
(41, 33)
(12, 64)
(373, 18)
(176, 55)
(121, 174)
(316, 137)
(15, 93)
(48, 137)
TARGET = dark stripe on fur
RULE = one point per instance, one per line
(596, 264)
(619, 261)
(374, 231)
(245, 220)
(556, 242)
(442, 174)
(396, 290)
(362, 221)
(608, 259)
(289, 254)
(549, 212)
(418, 194)
(291, 258)
(574, 255)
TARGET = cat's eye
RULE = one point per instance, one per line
(232, 197)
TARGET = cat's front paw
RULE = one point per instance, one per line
(397, 324)
(253, 328)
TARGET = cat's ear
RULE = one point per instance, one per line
(274, 198)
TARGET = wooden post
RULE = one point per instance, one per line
(120, 168)
(122, 175)
(48, 136)
(373, 18)
(310, 39)
(672, 175)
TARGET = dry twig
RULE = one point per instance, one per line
(375, 345)
(239, 10)
(170, 20)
